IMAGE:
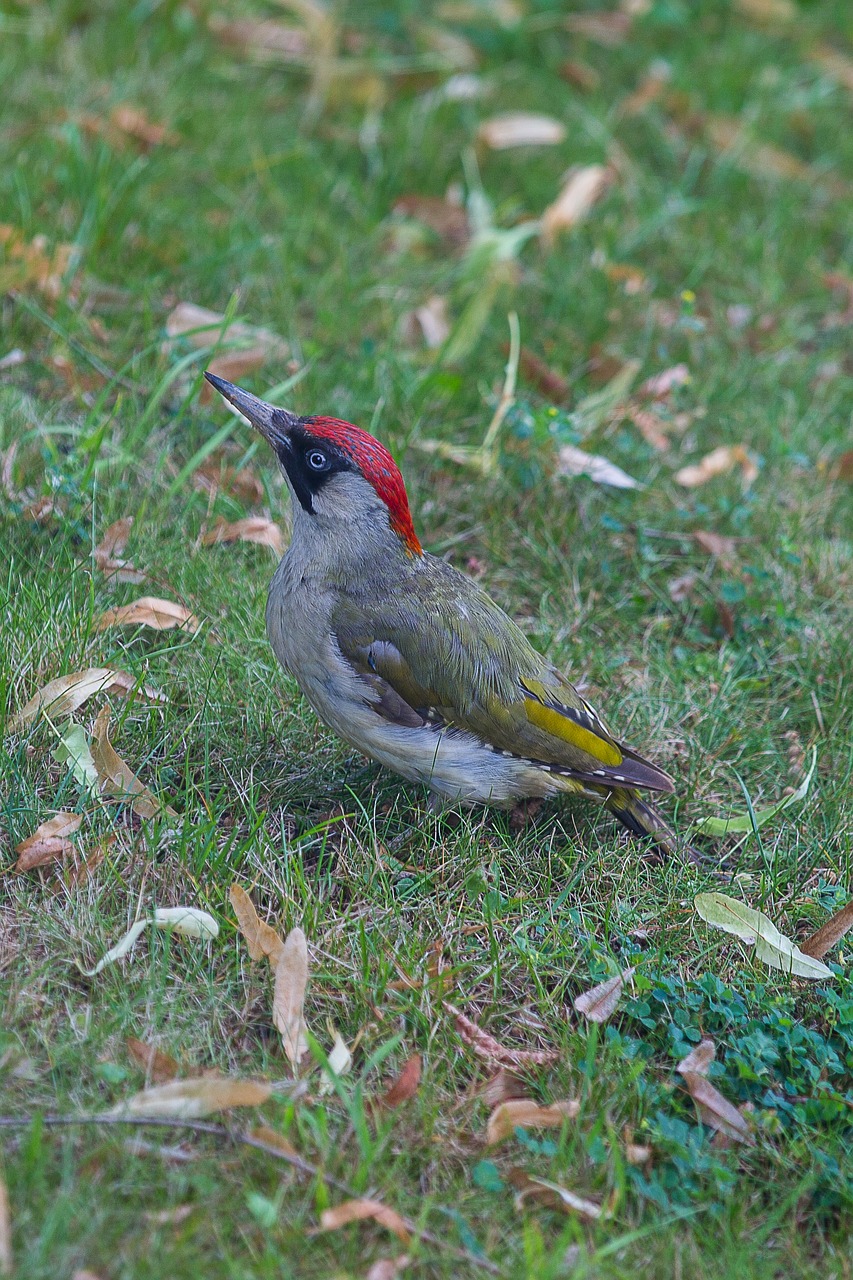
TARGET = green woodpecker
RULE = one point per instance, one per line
(409, 660)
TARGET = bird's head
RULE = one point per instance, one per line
(341, 477)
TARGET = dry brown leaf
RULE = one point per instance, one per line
(572, 461)
(580, 74)
(491, 1050)
(447, 219)
(169, 1217)
(291, 980)
(718, 463)
(83, 1273)
(653, 428)
(699, 1059)
(599, 1003)
(637, 1154)
(253, 346)
(535, 370)
(715, 1111)
(406, 1084)
(520, 129)
(660, 386)
(583, 187)
(524, 1113)
(502, 1086)
(252, 529)
(194, 1099)
(30, 262)
(649, 89)
(610, 29)
(63, 696)
(261, 939)
(149, 611)
(266, 40)
(7, 1258)
(117, 778)
(244, 484)
(359, 1210)
(716, 544)
(48, 842)
(134, 122)
(158, 1066)
(107, 554)
(681, 588)
(762, 159)
(388, 1268)
(429, 322)
(554, 1195)
(829, 934)
(263, 1133)
(632, 279)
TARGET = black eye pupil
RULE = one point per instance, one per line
(317, 460)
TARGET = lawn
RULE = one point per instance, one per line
(333, 181)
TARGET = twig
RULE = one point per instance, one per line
(249, 1140)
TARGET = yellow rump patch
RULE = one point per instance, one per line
(563, 727)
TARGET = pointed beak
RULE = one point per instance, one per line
(274, 424)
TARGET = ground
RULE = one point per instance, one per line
(719, 242)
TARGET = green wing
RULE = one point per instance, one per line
(443, 652)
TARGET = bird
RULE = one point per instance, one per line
(408, 659)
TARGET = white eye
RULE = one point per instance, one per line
(316, 460)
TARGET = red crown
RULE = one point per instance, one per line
(378, 467)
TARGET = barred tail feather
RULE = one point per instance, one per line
(643, 820)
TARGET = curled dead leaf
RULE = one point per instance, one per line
(491, 1050)
(520, 129)
(584, 187)
(599, 1003)
(66, 694)
(573, 461)
(194, 1099)
(830, 934)
(32, 263)
(662, 384)
(117, 778)
(261, 939)
(359, 1211)
(718, 463)
(429, 322)
(107, 554)
(524, 1113)
(48, 842)
(136, 123)
(446, 218)
(149, 611)
(716, 1111)
(555, 1196)
(715, 544)
(406, 1084)
(159, 1067)
(291, 980)
(699, 1059)
(252, 529)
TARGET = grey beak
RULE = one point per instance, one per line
(274, 424)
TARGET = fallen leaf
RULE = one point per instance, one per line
(388, 1268)
(73, 750)
(194, 1099)
(265, 40)
(30, 262)
(633, 279)
(252, 529)
(261, 938)
(491, 1050)
(7, 1258)
(652, 427)
(837, 65)
(263, 1133)
(447, 219)
(291, 980)
(158, 1066)
(190, 922)
(681, 588)
(637, 1154)
(149, 611)
(744, 823)
(716, 544)
(770, 11)
(599, 1003)
(116, 776)
(715, 1111)
(169, 1217)
(48, 841)
(660, 386)
(699, 1058)
(762, 159)
(108, 552)
(520, 129)
(583, 187)
(555, 1196)
(649, 90)
(524, 1113)
(429, 321)
(64, 695)
(243, 484)
(502, 1086)
(609, 29)
(204, 328)
(406, 1084)
(573, 461)
(135, 122)
(580, 74)
(717, 463)
(358, 1211)
(753, 927)
(535, 370)
(339, 1063)
(830, 934)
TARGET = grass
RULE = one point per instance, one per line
(286, 218)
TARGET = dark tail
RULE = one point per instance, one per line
(643, 820)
